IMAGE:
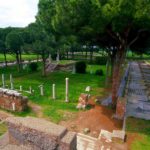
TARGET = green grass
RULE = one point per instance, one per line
(142, 128)
(13, 58)
(55, 109)
(3, 128)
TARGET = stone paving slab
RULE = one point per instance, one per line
(138, 104)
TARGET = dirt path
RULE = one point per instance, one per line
(36, 109)
(97, 118)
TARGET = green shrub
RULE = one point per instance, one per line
(101, 60)
(33, 66)
(99, 72)
(81, 67)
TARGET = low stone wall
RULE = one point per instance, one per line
(40, 134)
(12, 100)
(121, 108)
(66, 67)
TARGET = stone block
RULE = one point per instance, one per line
(38, 133)
(83, 101)
(68, 142)
(118, 135)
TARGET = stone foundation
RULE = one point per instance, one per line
(66, 67)
(39, 134)
(12, 100)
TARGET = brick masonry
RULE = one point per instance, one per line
(121, 108)
(10, 97)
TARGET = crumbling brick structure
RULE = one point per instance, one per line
(12, 100)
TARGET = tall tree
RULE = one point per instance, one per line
(121, 20)
(14, 42)
(3, 50)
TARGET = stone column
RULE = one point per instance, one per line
(20, 88)
(3, 81)
(11, 82)
(67, 90)
(53, 91)
(41, 90)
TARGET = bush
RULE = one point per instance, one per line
(101, 60)
(33, 66)
(99, 72)
(81, 67)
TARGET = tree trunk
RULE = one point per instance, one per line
(91, 55)
(44, 64)
(115, 84)
(18, 62)
(67, 55)
(116, 75)
(72, 55)
(107, 73)
(20, 59)
(112, 66)
(5, 58)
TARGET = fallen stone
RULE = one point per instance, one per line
(88, 89)
(118, 135)
(83, 101)
(86, 130)
(68, 142)
(106, 135)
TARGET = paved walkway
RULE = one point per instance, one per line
(138, 104)
(14, 63)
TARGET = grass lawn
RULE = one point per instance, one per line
(56, 109)
(3, 128)
(142, 128)
(13, 58)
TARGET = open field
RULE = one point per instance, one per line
(55, 109)
(13, 58)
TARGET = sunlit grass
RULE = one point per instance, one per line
(54, 109)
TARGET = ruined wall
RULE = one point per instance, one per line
(40, 134)
(66, 67)
(12, 100)
(121, 108)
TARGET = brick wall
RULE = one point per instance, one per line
(12, 100)
(121, 108)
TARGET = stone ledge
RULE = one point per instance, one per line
(40, 134)
(68, 142)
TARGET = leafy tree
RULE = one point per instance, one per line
(3, 50)
(122, 21)
(41, 43)
(14, 42)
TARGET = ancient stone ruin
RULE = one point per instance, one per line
(39, 134)
(12, 100)
(83, 101)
